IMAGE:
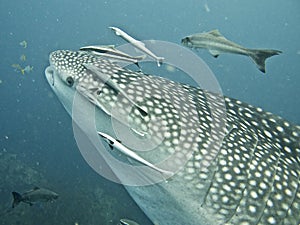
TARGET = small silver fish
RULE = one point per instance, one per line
(138, 44)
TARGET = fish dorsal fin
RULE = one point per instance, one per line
(108, 46)
(216, 33)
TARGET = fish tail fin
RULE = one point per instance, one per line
(160, 60)
(17, 199)
(259, 57)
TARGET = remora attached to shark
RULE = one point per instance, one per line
(216, 44)
(252, 179)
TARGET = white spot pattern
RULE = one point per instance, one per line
(253, 179)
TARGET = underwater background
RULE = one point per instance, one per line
(37, 147)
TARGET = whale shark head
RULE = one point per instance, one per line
(247, 172)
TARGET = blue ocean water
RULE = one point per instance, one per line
(36, 133)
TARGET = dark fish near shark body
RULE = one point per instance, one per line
(216, 44)
(252, 178)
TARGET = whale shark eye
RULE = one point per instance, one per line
(70, 81)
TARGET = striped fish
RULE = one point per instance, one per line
(246, 172)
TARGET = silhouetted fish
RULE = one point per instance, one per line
(35, 195)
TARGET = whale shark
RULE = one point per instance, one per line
(246, 171)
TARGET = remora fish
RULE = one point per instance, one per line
(138, 44)
(35, 195)
(127, 222)
(113, 143)
(106, 80)
(111, 52)
(252, 179)
(216, 44)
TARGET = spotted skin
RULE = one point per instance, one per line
(252, 177)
